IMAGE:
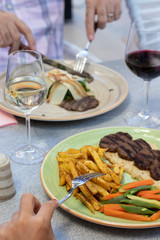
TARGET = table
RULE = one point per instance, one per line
(27, 178)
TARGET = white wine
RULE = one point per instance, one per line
(26, 92)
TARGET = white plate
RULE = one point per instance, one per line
(109, 87)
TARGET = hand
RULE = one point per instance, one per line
(32, 221)
(106, 11)
(11, 28)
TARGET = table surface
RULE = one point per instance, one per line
(27, 178)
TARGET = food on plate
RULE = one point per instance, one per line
(138, 201)
(69, 91)
(57, 64)
(87, 159)
(137, 157)
(81, 105)
(132, 185)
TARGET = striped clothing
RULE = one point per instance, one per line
(45, 18)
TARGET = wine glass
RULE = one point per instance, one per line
(142, 56)
(25, 89)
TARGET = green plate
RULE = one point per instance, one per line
(50, 175)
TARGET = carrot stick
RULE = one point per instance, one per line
(155, 216)
(151, 196)
(126, 215)
(141, 193)
(101, 209)
(113, 206)
(112, 195)
(137, 184)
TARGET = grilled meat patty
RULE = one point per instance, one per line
(81, 105)
(138, 151)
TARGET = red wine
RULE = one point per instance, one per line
(144, 63)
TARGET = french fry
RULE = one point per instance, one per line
(67, 187)
(96, 158)
(62, 159)
(114, 176)
(73, 151)
(91, 165)
(121, 173)
(84, 151)
(82, 168)
(102, 183)
(88, 159)
(76, 190)
(73, 169)
(101, 151)
(106, 165)
(100, 190)
(96, 205)
(61, 175)
(68, 179)
(84, 189)
(114, 185)
(107, 177)
(73, 172)
(68, 159)
(85, 201)
(99, 180)
(116, 168)
(101, 165)
(96, 148)
(91, 187)
(66, 167)
(70, 155)
(89, 184)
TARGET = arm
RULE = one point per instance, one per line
(11, 29)
(32, 221)
(106, 11)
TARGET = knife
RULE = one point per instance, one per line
(59, 65)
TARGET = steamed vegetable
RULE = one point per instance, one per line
(131, 185)
(139, 201)
(126, 215)
(64, 86)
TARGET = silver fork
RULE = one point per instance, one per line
(82, 56)
(81, 59)
(78, 181)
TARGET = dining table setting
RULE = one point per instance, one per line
(48, 129)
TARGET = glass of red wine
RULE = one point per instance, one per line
(142, 57)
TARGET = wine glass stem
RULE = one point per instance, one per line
(145, 111)
(28, 148)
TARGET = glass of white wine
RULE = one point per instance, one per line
(25, 89)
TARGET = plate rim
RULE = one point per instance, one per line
(88, 218)
(74, 118)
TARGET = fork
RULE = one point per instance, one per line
(78, 181)
(81, 59)
(82, 56)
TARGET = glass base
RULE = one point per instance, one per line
(28, 155)
(141, 119)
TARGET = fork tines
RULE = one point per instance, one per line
(81, 58)
(80, 64)
(91, 175)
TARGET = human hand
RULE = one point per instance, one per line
(106, 11)
(32, 221)
(11, 28)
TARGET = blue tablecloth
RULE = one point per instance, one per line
(27, 178)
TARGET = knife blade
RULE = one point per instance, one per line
(59, 65)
